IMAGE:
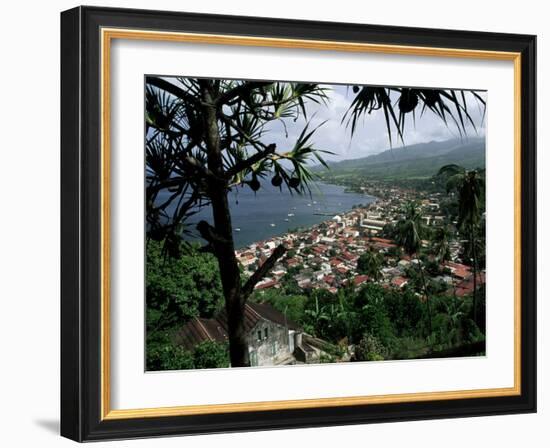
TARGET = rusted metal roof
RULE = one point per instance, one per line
(199, 329)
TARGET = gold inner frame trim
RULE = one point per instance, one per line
(107, 35)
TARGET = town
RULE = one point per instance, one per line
(325, 256)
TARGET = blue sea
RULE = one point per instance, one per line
(272, 212)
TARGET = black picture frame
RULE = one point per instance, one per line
(81, 224)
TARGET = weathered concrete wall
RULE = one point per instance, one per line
(270, 350)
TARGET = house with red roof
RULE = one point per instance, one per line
(268, 283)
(460, 271)
(360, 279)
(399, 281)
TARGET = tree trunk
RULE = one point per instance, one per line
(224, 247)
(474, 259)
(426, 294)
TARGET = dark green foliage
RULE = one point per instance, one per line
(177, 290)
(409, 163)
(374, 316)
(469, 186)
(410, 230)
(453, 324)
(163, 355)
(405, 312)
(369, 263)
(211, 355)
(440, 239)
(396, 322)
(323, 315)
(380, 323)
(481, 310)
(289, 284)
(181, 288)
(432, 267)
(292, 306)
(370, 349)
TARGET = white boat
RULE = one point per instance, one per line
(309, 205)
(272, 225)
(286, 220)
(237, 229)
(290, 214)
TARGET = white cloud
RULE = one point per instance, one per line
(371, 135)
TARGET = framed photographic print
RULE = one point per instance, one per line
(275, 224)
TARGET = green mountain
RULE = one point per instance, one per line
(414, 161)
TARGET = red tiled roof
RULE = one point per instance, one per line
(319, 249)
(328, 279)
(266, 285)
(459, 270)
(399, 281)
(349, 256)
(382, 240)
(466, 287)
(381, 245)
(360, 279)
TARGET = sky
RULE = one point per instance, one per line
(371, 135)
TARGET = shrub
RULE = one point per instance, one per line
(370, 349)
(211, 355)
(162, 356)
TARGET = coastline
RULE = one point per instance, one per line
(271, 213)
(327, 215)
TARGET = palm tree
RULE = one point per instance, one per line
(409, 235)
(455, 311)
(205, 138)
(440, 244)
(469, 185)
(369, 264)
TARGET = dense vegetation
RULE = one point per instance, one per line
(408, 162)
(422, 319)
(383, 323)
(177, 290)
(425, 318)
